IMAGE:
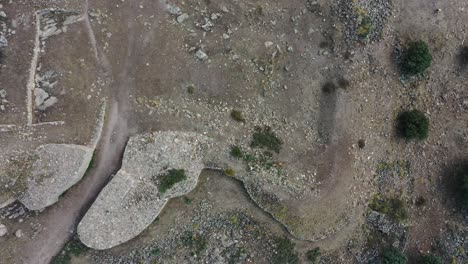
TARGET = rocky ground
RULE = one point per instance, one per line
(306, 93)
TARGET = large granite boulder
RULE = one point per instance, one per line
(135, 196)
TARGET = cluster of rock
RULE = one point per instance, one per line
(44, 87)
(38, 178)
(3, 100)
(132, 200)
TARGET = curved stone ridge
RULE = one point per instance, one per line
(132, 200)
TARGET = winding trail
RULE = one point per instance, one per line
(60, 220)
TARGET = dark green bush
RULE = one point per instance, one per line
(237, 115)
(329, 87)
(284, 252)
(169, 179)
(236, 152)
(416, 59)
(462, 184)
(265, 138)
(393, 256)
(413, 125)
(430, 259)
(313, 254)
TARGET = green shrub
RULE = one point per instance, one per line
(169, 179)
(329, 87)
(72, 248)
(361, 143)
(191, 89)
(230, 172)
(236, 152)
(284, 252)
(237, 115)
(313, 254)
(413, 125)
(464, 56)
(365, 28)
(393, 256)
(462, 184)
(196, 242)
(430, 259)
(265, 138)
(416, 59)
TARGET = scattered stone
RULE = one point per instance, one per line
(19, 233)
(201, 55)
(3, 42)
(3, 14)
(182, 18)
(3, 93)
(3, 230)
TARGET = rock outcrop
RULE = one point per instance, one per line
(134, 198)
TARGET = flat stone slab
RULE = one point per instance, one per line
(57, 168)
(132, 200)
(38, 178)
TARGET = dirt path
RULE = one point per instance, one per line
(60, 220)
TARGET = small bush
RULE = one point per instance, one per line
(462, 185)
(265, 138)
(343, 83)
(430, 259)
(187, 200)
(365, 28)
(169, 179)
(196, 242)
(237, 115)
(313, 254)
(361, 143)
(230, 172)
(191, 89)
(329, 87)
(464, 56)
(393, 256)
(285, 253)
(416, 59)
(421, 201)
(236, 152)
(413, 125)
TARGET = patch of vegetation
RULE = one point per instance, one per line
(464, 56)
(329, 87)
(92, 163)
(413, 125)
(156, 252)
(187, 200)
(399, 168)
(343, 83)
(191, 89)
(393, 256)
(264, 137)
(420, 201)
(430, 259)
(313, 254)
(196, 242)
(416, 59)
(361, 143)
(461, 176)
(284, 252)
(237, 115)
(393, 207)
(73, 248)
(365, 27)
(169, 179)
(236, 152)
(230, 172)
